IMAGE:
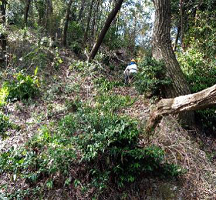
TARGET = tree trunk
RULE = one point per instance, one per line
(162, 50)
(49, 16)
(28, 3)
(64, 39)
(88, 23)
(41, 12)
(105, 29)
(200, 100)
(177, 38)
(182, 22)
(93, 29)
(3, 10)
(3, 46)
(81, 10)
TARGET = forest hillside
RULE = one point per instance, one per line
(73, 125)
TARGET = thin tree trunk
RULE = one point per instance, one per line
(134, 35)
(200, 100)
(3, 36)
(182, 22)
(177, 38)
(99, 15)
(81, 10)
(3, 10)
(3, 42)
(41, 12)
(94, 19)
(105, 29)
(64, 39)
(28, 3)
(88, 23)
(49, 13)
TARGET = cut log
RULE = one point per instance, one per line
(203, 99)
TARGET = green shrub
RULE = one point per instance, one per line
(79, 66)
(200, 73)
(43, 156)
(109, 102)
(105, 145)
(3, 95)
(151, 77)
(76, 47)
(4, 124)
(207, 118)
(37, 56)
(105, 85)
(114, 40)
(109, 144)
(23, 87)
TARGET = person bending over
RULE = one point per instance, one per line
(130, 71)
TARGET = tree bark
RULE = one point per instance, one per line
(88, 23)
(93, 29)
(28, 3)
(3, 10)
(49, 16)
(105, 29)
(41, 11)
(162, 50)
(64, 39)
(182, 22)
(200, 100)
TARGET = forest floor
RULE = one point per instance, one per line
(187, 148)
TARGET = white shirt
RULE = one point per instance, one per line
(130, 69)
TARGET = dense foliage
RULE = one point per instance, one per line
(22, 87)
(84, 135)
(151, 78)
(107, 145)
(4, 123)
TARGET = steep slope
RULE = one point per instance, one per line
(77, 82)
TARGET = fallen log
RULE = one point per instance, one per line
(200, 100)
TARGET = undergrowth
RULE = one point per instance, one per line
(22, 87)
(4, 124)
(105, 85)
(96, 144)
(151, 79)
(200, 74)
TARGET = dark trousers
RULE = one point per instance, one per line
(128, 77)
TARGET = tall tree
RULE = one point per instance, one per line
(94, 21)
(88, 22)
(28, 3)
(49, 16)
(81, 10)
(3, 10)
(40, 6)
(104, 30)
(162, 49)
(67, 17)
(181, 2)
